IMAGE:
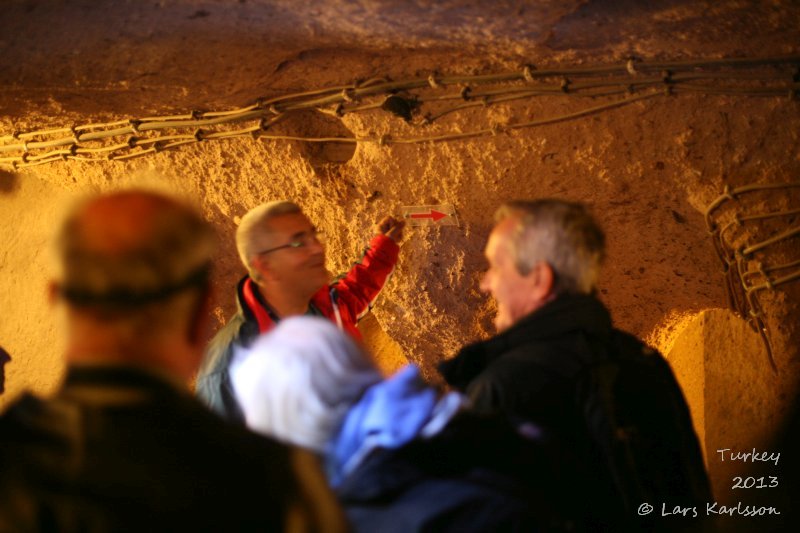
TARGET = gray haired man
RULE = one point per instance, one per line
(610, 406)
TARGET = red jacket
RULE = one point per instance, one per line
(344, 302)
(348, 298)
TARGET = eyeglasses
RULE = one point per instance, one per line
(300, 241)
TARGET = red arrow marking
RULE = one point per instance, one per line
(435, 215)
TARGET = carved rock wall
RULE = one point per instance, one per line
(647, 170)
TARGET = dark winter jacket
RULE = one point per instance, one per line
(476, 475)
(344, 302)
(611, 403)
(120, 449)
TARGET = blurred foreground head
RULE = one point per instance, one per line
(134, 276)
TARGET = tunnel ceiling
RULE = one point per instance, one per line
(648, 169)
(126, 57)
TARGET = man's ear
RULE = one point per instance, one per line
(544, 282)
(262, 265)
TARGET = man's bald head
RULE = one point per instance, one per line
(128, 250)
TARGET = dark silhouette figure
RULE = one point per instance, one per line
(123, 445)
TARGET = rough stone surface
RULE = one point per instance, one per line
(736, 403)
(647, 170)
(736, 400)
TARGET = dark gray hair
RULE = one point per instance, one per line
(562, 234)
(254, 228)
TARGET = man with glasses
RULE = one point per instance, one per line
(285, 258)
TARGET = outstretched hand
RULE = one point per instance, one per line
(392, 228)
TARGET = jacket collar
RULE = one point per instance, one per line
(114, 383)
(566, 314)
(257, 311)
(256, 306)
(248, 298)
(569, 313)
